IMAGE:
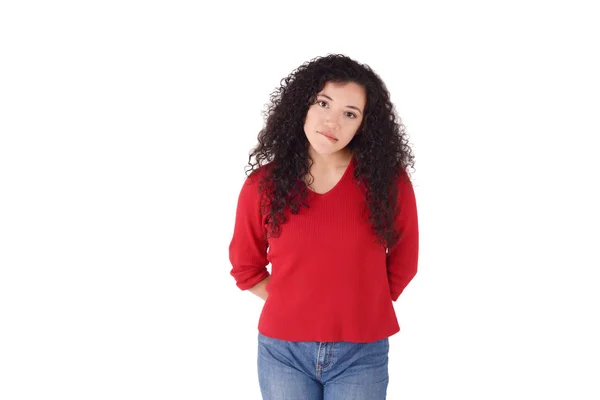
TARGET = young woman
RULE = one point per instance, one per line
(328, 202)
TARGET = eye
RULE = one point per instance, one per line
(321, 102)
(351, 115)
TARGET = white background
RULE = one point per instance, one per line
(125, 128)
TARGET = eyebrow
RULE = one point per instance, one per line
(324, 95)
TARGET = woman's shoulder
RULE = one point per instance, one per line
(403, 177)
(252, 183)
(256, 174)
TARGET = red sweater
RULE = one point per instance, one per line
(330, 280)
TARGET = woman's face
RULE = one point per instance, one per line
(333, 120)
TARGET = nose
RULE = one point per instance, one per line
(332, 122)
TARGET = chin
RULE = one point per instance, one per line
(328, 151)
(320, 149)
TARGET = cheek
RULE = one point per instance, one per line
(351, 128)
(311, 118)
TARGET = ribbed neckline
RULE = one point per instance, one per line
(345, 175)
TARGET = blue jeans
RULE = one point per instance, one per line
(322, 370)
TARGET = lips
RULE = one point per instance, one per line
(328, 135)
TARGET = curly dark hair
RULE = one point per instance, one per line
(380, 146)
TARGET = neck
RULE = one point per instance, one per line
(330, 162)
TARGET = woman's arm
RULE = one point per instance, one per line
(260, 289)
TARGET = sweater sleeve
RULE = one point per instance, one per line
(402, 258)
(248, 247)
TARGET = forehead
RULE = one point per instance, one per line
(348, 92)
